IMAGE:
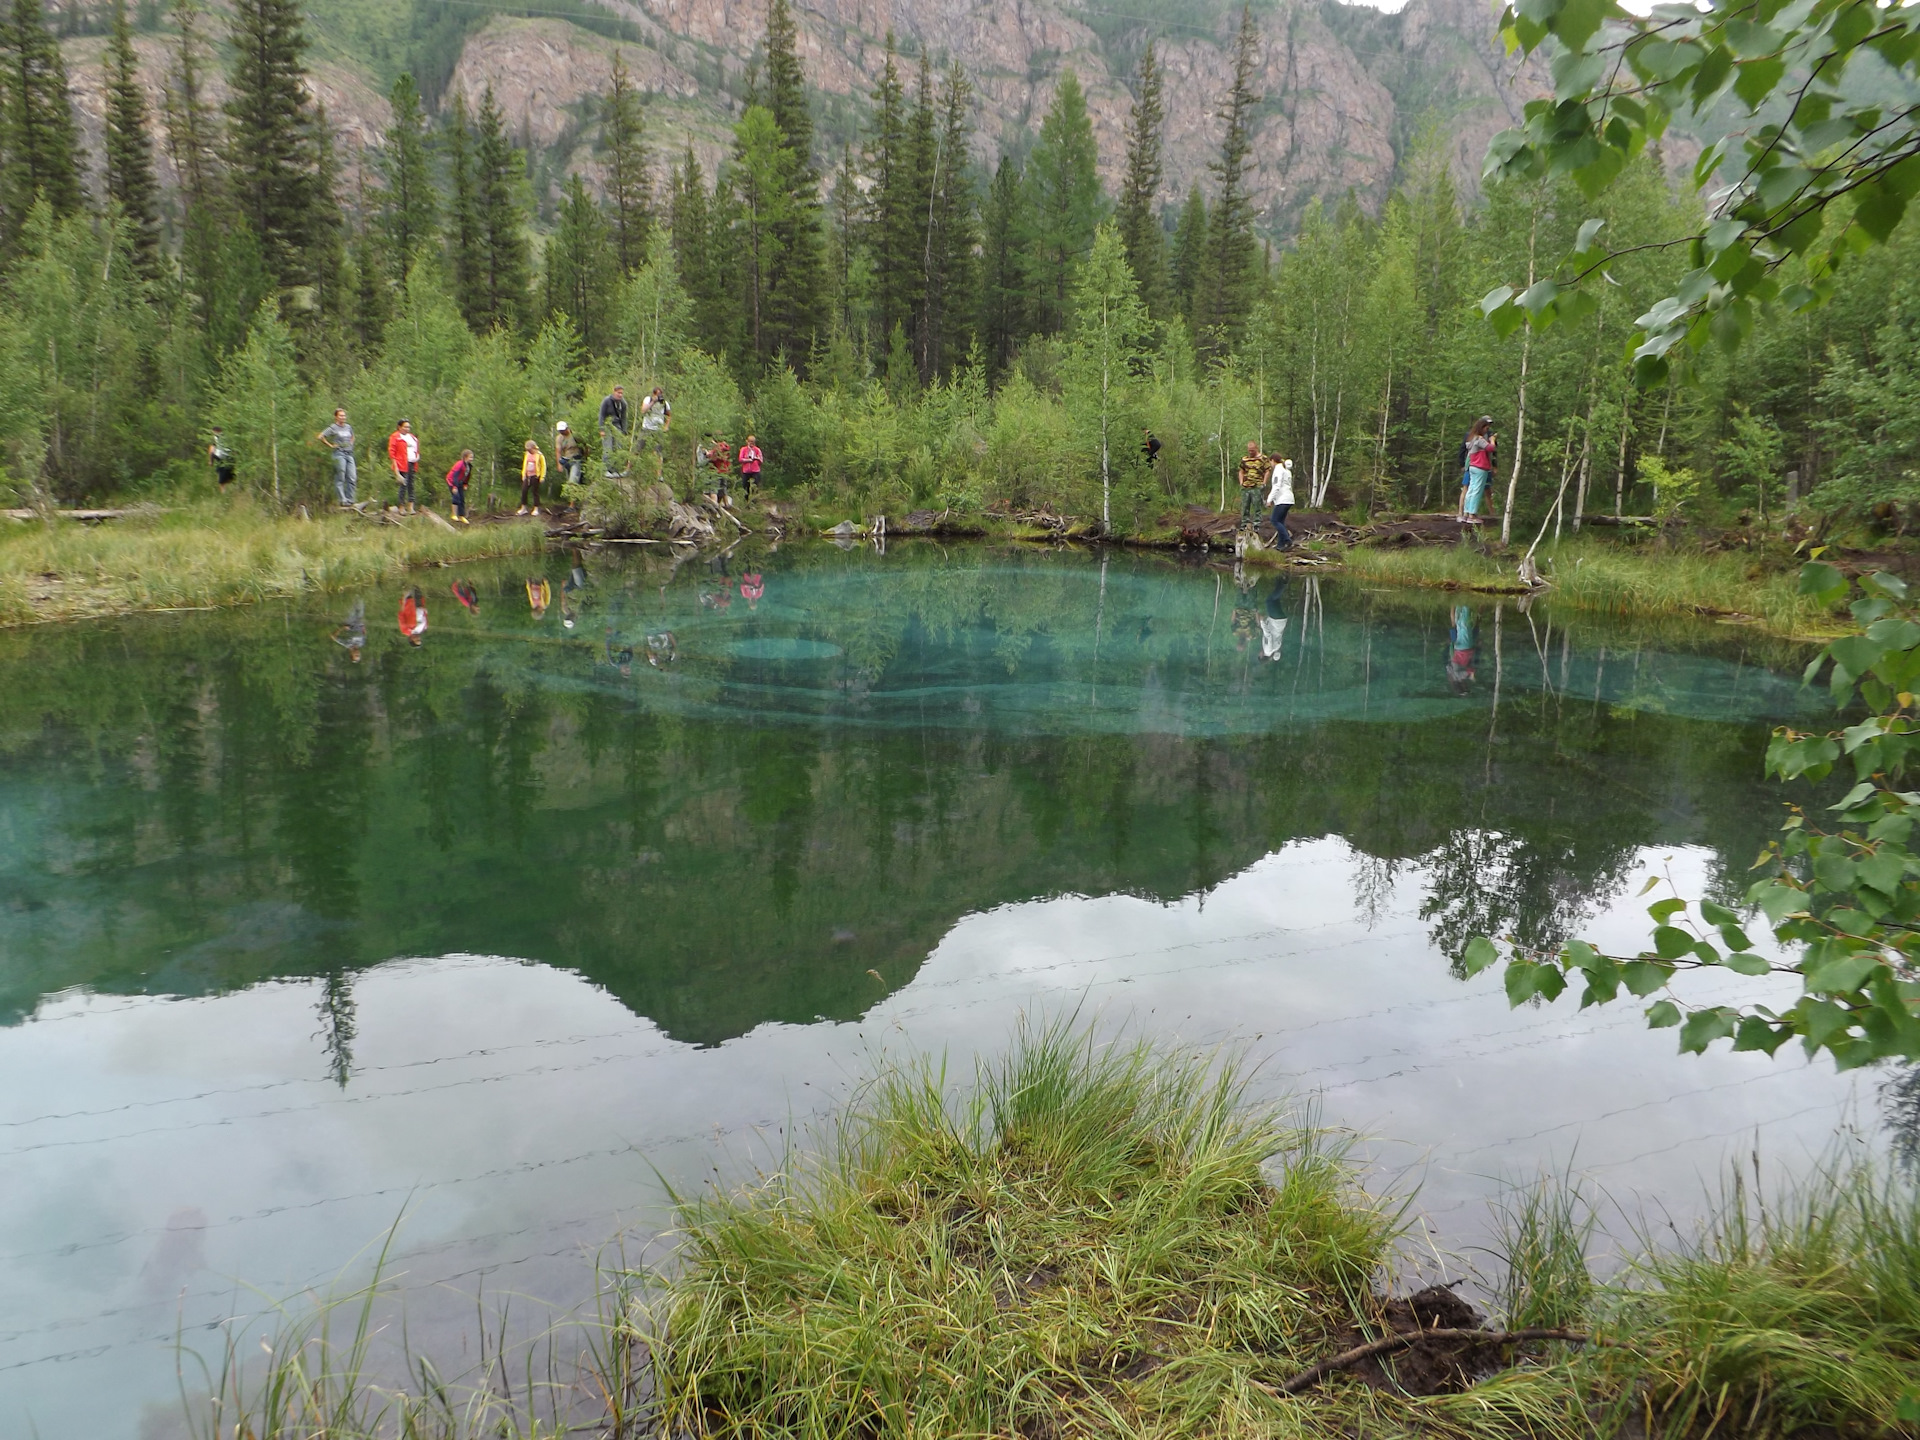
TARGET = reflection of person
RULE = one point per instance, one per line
(413, 616)
(575, 582)
(661, 648)
(539, 596)
(621, 659)
(1460, 657)
(752, 586)
(464, 592)
(1273, 624)
(353, 634)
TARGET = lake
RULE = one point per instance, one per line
(495, 933)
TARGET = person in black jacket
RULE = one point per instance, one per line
(613, 421)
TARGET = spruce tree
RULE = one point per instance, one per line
(1003, 293)
(130, 182)
(466, 242)
(945, 330)
(274, 135)
(697, 255)
(623, 138)
(1189, 260)
(1138, 215)
(407, 207)
(498, 174)
(579, 283)
(42, 147)
(1227, 294)
(891, 230)
(796, 288)
(1064, 184)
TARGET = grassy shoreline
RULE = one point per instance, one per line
(210, 555)
(206, 555)
(1097, 1241)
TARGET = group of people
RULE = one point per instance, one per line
(570, 454)
(1266, 479)
(719, 457)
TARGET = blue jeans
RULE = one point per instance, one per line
(1280, 531)
(1475, 482)
(405, 479)
(346, 478)
(459, 494)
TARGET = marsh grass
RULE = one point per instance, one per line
(1093, 1240)
(216, 554)
(1615, 579)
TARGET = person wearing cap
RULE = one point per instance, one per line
(570, 453)
(1478, 451)
(403, 451)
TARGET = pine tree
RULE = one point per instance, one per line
(1063, 181)
(579, 283)
(1003, 293)
(796, 288)
(326, 251)
(193, 128)
(696, 255)
(42, 146)
(1189, 259)
(499, 175)
(367, 267)
(407, 207)
(466, 239)
(130, 182)
(1223, 301)
(945, 328)
(1138, 215)
(274, 136)
(890, 228)
(623, 138)
(914, 243)
(847, 266)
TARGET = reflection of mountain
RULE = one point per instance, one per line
(197, 805)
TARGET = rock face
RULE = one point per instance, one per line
(1345, 89)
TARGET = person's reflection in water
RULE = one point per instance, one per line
(752, 587)
(1460, 658)
(539, 596)
(570, 589)
(413, 616)
(1243, 620)
(353, 634)
(1273, 625)
(662, 649)
(620, 659)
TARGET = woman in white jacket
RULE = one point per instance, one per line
(1280, 497)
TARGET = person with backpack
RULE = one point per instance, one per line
(1478, 455)
(613, 422)
(569, 454)
(749, 458)
(656, 418)
(403, 453)
(458, 478)
(221, 458)
(1253, 474)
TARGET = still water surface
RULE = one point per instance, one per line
(498, 929)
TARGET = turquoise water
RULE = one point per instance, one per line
(491, 928)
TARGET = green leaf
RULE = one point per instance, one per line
(1755, 79)
(1712, 75)
(1735, 939)
(1884, 870)
(1820, 1020)
(1663, 910)
(1643, 977)
(1844, 973)
(1747, 964)
(1579, 19)
(1670, 943)
(1877, 208)
(1662, 1015)
(1479, 954)
(1703, 1027)
(1538, 297)
(1756, 1033)
(1714, 913)
(1820, 580)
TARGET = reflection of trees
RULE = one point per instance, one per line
(1373, 882)
(1488, 883)
(1900, 1106)
(338, 1020)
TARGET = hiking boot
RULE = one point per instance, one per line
(521, 511)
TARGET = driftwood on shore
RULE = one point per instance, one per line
(86, 516)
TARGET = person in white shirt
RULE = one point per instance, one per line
(1280, 497)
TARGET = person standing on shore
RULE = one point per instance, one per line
(1479, 451)
(1280, 497)
(569, 454)
(613, 422)
(1253, 475)
(533, 469)
(338, 437)
(403, 452)
(221, 459)
(656, 418)
(458, 478)
(749, 457)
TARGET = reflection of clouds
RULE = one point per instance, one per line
(179, 1253)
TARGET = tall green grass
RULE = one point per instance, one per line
(1615, 579)
(215, 554)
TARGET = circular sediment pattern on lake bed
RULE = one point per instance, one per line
(773, 647)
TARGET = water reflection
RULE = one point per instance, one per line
(875, 746)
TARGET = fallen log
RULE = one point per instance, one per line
(1314, 1374)
(83, 515)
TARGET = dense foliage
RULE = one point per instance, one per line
(900, 324)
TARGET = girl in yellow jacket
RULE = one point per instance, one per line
(533, 469)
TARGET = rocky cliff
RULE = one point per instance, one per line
(1346, 88)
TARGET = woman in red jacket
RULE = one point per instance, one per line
(403, 449)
